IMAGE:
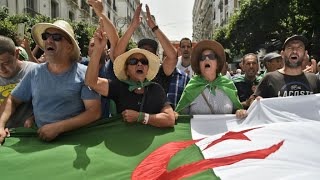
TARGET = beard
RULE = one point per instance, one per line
(293, 65)
(186, 56)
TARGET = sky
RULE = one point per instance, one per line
(174, 17)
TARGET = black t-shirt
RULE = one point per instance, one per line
(154, 102)
(162, 79)
(246, 88)
(276, 84)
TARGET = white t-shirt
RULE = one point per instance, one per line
(187, 69)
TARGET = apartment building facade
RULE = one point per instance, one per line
(211, 14)
(120, 12)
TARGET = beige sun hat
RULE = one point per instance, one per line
(213, 45)
(62, 25)
(120, 63)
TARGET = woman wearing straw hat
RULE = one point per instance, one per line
(209, 92)
(136, 97)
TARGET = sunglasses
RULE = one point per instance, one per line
(210, 56)
(55, 37)
(135, 61)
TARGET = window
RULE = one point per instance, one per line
(31, 7)
(114, 5)
(220, 6)
(31, 4)
(54, 9)
(71, 16)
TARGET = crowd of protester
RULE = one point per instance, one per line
(61, 91)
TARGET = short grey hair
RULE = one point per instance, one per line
(7, 45)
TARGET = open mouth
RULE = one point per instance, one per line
(50, 48)
(294, 57)
(139, 71)
(207, 66)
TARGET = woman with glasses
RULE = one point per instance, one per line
(208, 92)
(137, 98)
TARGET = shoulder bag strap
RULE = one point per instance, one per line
(205, 98)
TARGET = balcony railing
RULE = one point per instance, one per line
(30, 11)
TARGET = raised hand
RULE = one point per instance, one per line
(97, 6)
(150, 20)
(136, 20)
(100, 37)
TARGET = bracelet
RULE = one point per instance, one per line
(146, 118)
(140, 116)
(155, 28)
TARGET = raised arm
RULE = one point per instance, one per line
(108, 26)
(26, 46)
(170, 61)
(100, 85)
(124, 40)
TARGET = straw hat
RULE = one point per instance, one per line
(62, 25)
(216, 47)
(120, 63)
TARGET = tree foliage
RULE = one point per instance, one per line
(9, 26)
(266, 23)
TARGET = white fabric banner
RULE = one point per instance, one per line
(287, 131)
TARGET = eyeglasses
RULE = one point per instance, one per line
(55, 37)
(210, 56)
(135, 61)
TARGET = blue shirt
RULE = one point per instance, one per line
(55, 97)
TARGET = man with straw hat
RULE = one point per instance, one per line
(61, 101)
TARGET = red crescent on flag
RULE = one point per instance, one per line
(154, 166)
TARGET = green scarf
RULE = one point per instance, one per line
(198, 83)
(135, 85)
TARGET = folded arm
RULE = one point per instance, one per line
(166, 118)
(92, 112)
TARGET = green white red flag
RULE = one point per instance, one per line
(278, 140)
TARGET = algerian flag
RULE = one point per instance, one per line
(286, 130)
(278, 140)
